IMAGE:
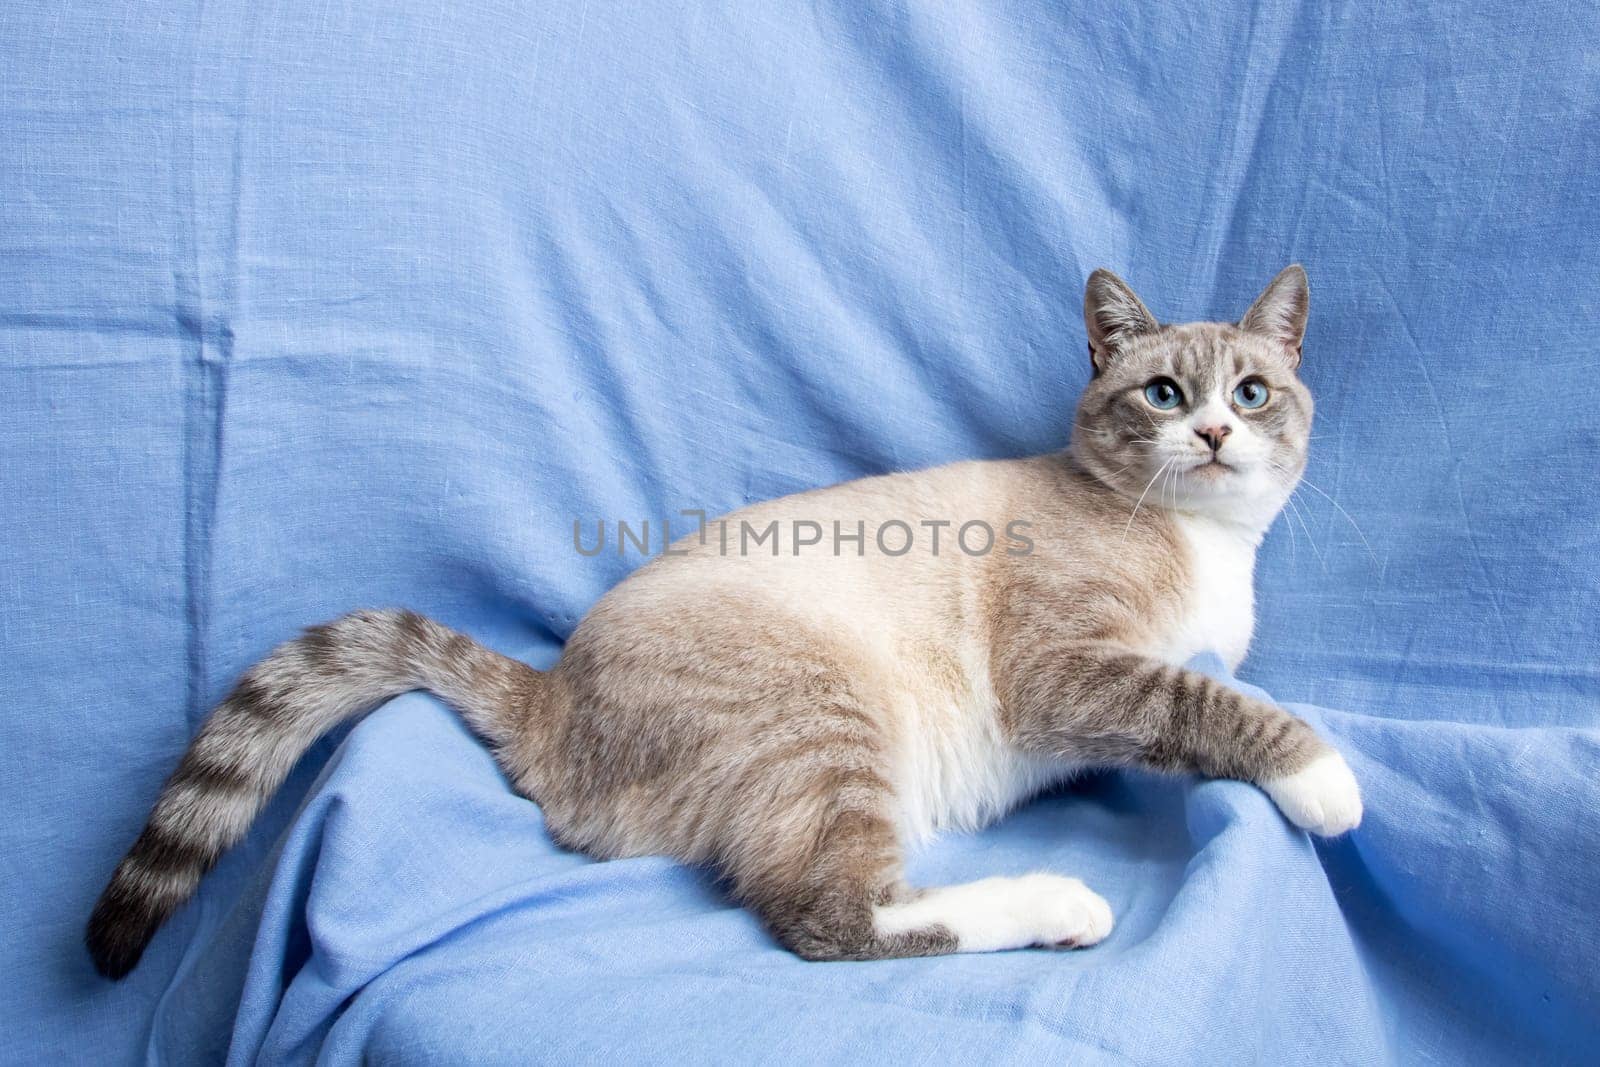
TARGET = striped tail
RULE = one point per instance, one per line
(257, 734)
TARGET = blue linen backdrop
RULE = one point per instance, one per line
(308, 305)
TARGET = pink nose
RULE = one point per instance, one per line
(1213, 435)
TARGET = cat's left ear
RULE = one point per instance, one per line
(1281, 309)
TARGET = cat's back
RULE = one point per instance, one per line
(915, 557)
(874, 545)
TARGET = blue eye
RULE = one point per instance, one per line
(1250, 393)
(1163, 394)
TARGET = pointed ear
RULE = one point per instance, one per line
(1112, 313)
(1281, 309)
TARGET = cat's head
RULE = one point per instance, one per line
(1206, 417)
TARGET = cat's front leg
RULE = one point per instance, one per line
(1102, 702)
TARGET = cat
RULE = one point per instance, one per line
(795, 722)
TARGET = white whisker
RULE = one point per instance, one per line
(1347, 517)
(1310, 538)
(1294, 547)
(1142, 495)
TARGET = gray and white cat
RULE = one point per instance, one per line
(796, 720)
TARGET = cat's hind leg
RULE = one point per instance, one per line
(820, 885)
(834, 890)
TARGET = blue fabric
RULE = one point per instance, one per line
(308, 306)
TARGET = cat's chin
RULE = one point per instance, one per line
(1231, 493)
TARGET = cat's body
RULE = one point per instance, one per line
(919, 630)
(794, 719)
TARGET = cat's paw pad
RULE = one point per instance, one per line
(1064, 913)
(1322, 796)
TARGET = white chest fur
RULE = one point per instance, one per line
(955, 767)
(1218, 609)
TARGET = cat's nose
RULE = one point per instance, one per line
(1213, 435)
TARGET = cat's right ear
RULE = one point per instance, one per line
(1112, 313)
(1281, 309)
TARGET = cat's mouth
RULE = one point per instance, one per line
(1211, 468)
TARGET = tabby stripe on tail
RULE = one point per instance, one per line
(274, 714)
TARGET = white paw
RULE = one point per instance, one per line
(1069, 913)
(1040, 909)
(1002, 913)
(1322, 796)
